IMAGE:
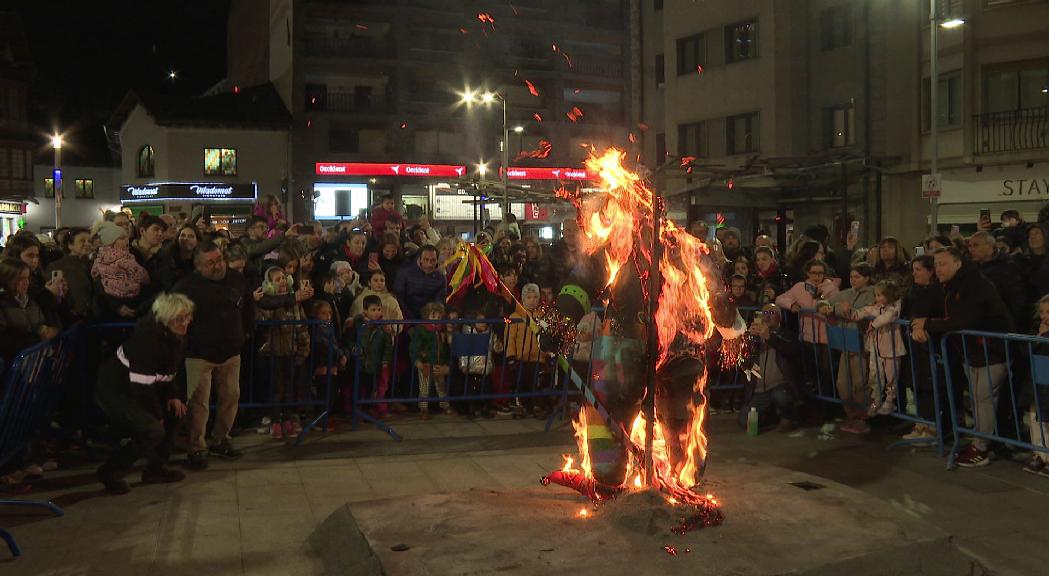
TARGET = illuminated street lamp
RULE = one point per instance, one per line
(934, 114)
(469, 97)
(56, 178)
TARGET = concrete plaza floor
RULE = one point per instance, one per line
(255, 515)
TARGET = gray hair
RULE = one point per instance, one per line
(338, 265)
(168, 305)
(530, 288)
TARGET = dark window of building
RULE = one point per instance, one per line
(743, 133)
(145, 168)
(316, 96)
(220, 162)
(1014, 86)
(839, 127)
(18, 164)
(741, 41)
(949, 101)
(362, 98)
(660, 74)
(692, 139)
(691, 52)
(85, 188)
(347, 140)
(661, 148)
(836, 27)
(657, 4)
(5, 163)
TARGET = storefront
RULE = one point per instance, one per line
(996, 188)
(11, 215)
(229, 206)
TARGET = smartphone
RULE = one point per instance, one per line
(985, 215)
(56, 274)
(955, 230)
(305, 283)
(855, 227)
(919, 250)
(373, 258)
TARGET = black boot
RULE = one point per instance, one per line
(112, 484)
(161, 475)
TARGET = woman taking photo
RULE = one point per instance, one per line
(136, 389)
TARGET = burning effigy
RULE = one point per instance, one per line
(664, 304)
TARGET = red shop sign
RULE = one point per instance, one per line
(516, 173)
(380, 169)
(536, 212)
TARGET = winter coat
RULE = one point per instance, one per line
(857, 298)
(522, 339)
(429, 346)
(391, 308)
(376, 347)
(224, 315)
(812, 330)
(922, 302)
(772, 278)
(148, 363)
(159, 265)
(380, 216)
(284, 339)
(20, 323)
(77, 273)
(1009, 282)
(971, 302)
(121, 275)
(886, 340)
(1035, 270)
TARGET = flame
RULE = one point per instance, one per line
(583, 513)
(614, 223)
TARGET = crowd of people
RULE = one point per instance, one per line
(307, 304)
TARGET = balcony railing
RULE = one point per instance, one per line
(1014, 131)
(606, 67)
(348, 102)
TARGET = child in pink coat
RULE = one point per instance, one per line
(121, 276)
(884, 344)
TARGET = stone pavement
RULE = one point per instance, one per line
(255, 515)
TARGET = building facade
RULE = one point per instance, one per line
(18, 141)
(799, 112)
(216, 154)
(382, 82)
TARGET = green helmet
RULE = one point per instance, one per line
(573, 301)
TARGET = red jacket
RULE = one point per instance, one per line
(379, 218)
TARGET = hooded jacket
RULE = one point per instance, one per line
(120, 274)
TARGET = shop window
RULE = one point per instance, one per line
(220, 162)
(145, 167)
(49, 188)
(85, 188)
(741, 41)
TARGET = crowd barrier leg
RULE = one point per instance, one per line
(12, 545)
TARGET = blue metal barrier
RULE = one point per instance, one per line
(993, 371)
(835, 347)
(32, 385)
(471, 359)
(259, 370)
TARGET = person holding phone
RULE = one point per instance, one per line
(802, 299)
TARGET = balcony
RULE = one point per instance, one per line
(347, 48)
(1013, 131)
(604, 67)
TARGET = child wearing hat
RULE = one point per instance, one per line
(115, 268)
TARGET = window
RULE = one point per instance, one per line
(18, 164)
(49, 188)
(691, 53)
(657, 5)
(692, 139)
(348, 140)
(85, 188)
(220, 162)
(661, 148)
(741, 41)
(949, 100)
(145, 162)
(743, 133)
(1016, 86)
(661, 78)
(835, 27)
(840, 127)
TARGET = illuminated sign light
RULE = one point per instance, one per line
(549, 174)
(188, 191)
(380, 169)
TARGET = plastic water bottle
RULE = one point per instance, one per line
(752, 422)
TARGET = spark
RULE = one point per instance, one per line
(699, 69)
(404, 125)
(486, 17)
(642, 127)
(537, 117)
(574, 114)
(541, 151)
(531, 88)
(360, 26)
(632, 138)
(583, 513)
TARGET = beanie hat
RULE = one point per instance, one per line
(108, 233)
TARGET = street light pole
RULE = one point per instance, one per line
(506, 162)
(934, 84)
(56, 179)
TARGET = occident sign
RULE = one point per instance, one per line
(380, 169)
(548, 174)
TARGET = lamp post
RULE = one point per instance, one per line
(56, 178)
(934, 112)
(487, 98)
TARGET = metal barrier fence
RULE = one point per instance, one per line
(275, 375)
(862, 372)
(469, 366)
(1013, 366)
(31, 386)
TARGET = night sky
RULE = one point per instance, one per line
(89, 54)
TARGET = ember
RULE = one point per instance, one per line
(537, 117)
(574, 114)
(541, 151)
(670, 550)
(531, 88)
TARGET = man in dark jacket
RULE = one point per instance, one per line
(971, 302)
(225, 315)
(257, 245)
(421, 283)
(147, 251)
(1006, 276)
